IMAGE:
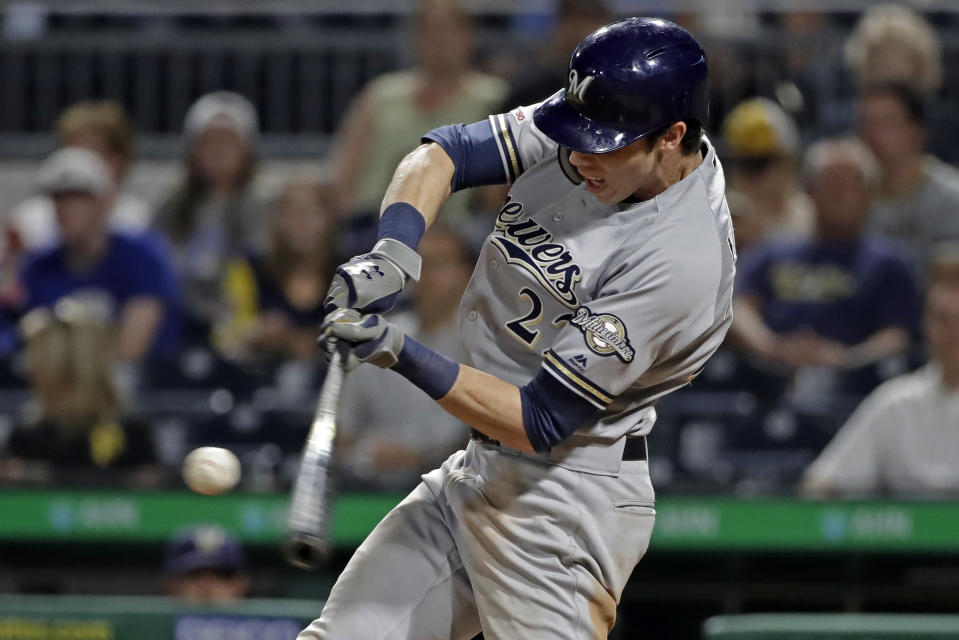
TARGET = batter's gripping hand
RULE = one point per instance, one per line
(370, 338)
(370, 283)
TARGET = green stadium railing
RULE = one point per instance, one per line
(843, 626)
(152, 516)
(683, 523)
(149, 618)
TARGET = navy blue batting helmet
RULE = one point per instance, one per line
(626, 80)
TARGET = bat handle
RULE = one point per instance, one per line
(333, 383)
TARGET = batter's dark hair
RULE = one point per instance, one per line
(913, 101)
(692, 139)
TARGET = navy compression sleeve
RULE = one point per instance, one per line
(432, 372)
(551, 412)
(404, 222)
(474, 153)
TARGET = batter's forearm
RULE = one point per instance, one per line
(422, 180)
(489, 405)
(419, 187)
(531, 418)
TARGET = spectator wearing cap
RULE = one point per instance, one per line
(205, 564)
(841, 299)
(904, 438)
(917, 204)
(217, 212)
(762, 143)
(129, 275)
(105, 129)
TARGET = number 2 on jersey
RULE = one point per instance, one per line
(522, 328)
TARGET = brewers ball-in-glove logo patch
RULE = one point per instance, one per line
(605, 334)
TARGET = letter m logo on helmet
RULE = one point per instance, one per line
(577, 87)
(627, 80)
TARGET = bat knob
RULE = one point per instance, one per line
(304, 551)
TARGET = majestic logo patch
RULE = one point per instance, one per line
(577, 88)
(527, 244)
(579, 360)
(605, 334)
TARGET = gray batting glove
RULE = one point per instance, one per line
(370, 283)
(370, 338)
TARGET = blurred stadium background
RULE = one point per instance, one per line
(98, 534)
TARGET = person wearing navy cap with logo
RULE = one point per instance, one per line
(205, 564)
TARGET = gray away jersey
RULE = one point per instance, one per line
(621, 303)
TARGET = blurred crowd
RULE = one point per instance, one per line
(132, 331)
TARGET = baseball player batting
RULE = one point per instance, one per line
(606, 283)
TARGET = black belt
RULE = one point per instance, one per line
(635, 448)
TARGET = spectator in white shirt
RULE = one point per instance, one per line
(904, 438)
(105, 129)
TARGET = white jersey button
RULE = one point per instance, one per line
(472, 315)
(493, 264)
(558, 217)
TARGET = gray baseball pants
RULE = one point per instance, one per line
(510, 545)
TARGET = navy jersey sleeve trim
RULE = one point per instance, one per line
(474, 152)
(551, 413)
(589, 391)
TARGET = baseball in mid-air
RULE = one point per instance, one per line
(211, 470)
